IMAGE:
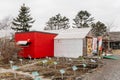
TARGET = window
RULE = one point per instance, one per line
(115, 45)
(23, 43)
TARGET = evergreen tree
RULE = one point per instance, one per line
(57, 22)
(22, 23)
(82, 19)
(99, 28)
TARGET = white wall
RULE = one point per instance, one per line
(68, 48)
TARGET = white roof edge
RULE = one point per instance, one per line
(66, 38)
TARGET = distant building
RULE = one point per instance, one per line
(111, 42)
(114, 40)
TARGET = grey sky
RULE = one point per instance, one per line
(106, 11)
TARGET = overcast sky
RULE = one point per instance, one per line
(106, 11)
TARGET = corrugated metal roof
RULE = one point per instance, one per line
(73, 33)
(114, 36)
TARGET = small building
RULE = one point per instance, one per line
(59, 43)
(111, 42)
(114, 40)
(72, 43)
(35, 44)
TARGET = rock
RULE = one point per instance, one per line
(78, 78)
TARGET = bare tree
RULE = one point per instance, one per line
(109, 27)
(5, 24)
(8, 49)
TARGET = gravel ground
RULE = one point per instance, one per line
(110, 71)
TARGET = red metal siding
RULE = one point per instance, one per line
(42, 44)
(28, 50)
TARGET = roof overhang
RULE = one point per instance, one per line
(74, 34)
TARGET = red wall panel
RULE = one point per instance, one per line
(26, 50)
(42, 44)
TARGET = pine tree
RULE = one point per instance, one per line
(57, 22)
(82, 19)
(99, 28)
(22, 23)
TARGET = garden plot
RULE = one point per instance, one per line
(52, 68)
(10, 76)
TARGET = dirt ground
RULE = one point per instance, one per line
(48, 70)
(105, 69)
(110, 71)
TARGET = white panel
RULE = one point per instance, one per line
(68, 48)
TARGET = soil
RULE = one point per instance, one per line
(49, 70)
(11, 76)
